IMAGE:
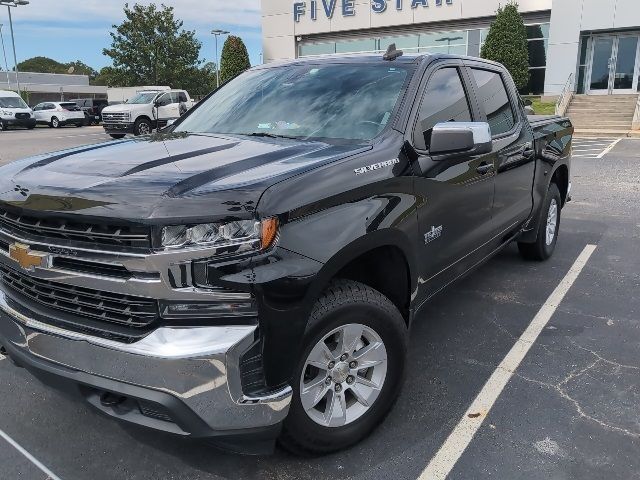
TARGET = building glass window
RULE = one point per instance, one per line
(582, 65)
(457, 42)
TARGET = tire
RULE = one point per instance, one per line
(361, 308)
(142, 127)
(117, 136)
(544, 246)
(3, 126)
(78, 125)
(55, 123)
(31, 127)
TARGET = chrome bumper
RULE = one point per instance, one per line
(198, 366)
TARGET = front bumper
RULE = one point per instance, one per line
(184, 381)
(118, 128)
(19, 122)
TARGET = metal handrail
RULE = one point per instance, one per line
(565, 97)
(635, 125)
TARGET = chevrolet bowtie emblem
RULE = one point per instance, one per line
(27, 259)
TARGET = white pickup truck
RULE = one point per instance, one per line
(146, 111)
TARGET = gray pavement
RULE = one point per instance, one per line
(571, 411)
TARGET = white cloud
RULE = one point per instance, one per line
(195, 13)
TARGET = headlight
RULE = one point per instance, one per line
(248, 233)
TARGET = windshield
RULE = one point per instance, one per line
(142, 98)
(12, 102)
(353, 102)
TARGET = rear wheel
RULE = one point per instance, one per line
(117, 136)
(544, 246)
(3, 126)
(350, 371)
(55, 123)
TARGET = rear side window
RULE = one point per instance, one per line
(493, 96)
(183, 97)
(444, 101)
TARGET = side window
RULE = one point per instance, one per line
(444, 101)
(183, 97)
(164, 100)
(492, 95)
(37, 108)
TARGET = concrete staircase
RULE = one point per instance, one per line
(602, 115)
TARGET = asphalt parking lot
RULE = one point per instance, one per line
(571, 409)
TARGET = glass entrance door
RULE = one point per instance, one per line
(614, 65)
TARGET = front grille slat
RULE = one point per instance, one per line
(119, 309)
(129, 237)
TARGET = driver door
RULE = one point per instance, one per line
(168, 106)
(457, 192)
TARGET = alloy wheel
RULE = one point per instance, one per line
(343, 375)
(552, 221)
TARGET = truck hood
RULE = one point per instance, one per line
(164, 177)
(126, 107)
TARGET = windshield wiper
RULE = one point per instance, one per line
(269, 135)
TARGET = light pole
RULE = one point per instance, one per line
(4, 52)
(217, 33)
(9, 4)
(449, 40)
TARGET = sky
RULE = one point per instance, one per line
(68, 30)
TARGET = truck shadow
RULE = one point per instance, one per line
(456, 342)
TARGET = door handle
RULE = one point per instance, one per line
(484, 168)
(528, 153)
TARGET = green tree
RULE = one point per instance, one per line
(42, 65)
(234, 59)
(49, 65)
(107, 77)
(81, 68)
(151, 48)
(507, 43)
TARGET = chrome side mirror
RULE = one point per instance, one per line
(461, 138)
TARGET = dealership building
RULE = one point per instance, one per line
(591, 45)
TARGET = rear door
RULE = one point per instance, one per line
(457, 193)
(514, 155)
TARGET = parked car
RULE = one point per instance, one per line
(14, 112)
(253, 272)
(59, 114)
(146, 111)
(92, 108)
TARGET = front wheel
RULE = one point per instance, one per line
(544, 246)
(142, 127)
(350, 371)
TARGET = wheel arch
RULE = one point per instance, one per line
(380, 260)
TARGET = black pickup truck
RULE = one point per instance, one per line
(252, 272)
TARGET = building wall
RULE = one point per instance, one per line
(279, 28)
(570, 19)
(50, 87)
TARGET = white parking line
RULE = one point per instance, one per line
(443, 462)
(31, 458)
(609, 148)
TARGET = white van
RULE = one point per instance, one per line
(14, 112)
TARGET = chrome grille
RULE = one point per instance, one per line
(108, 117)
(114, 308)
(22, 116)
(26, 226)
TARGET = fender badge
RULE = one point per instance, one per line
(376, 166)
(433, 234)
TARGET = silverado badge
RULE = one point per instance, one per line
(28, 259)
